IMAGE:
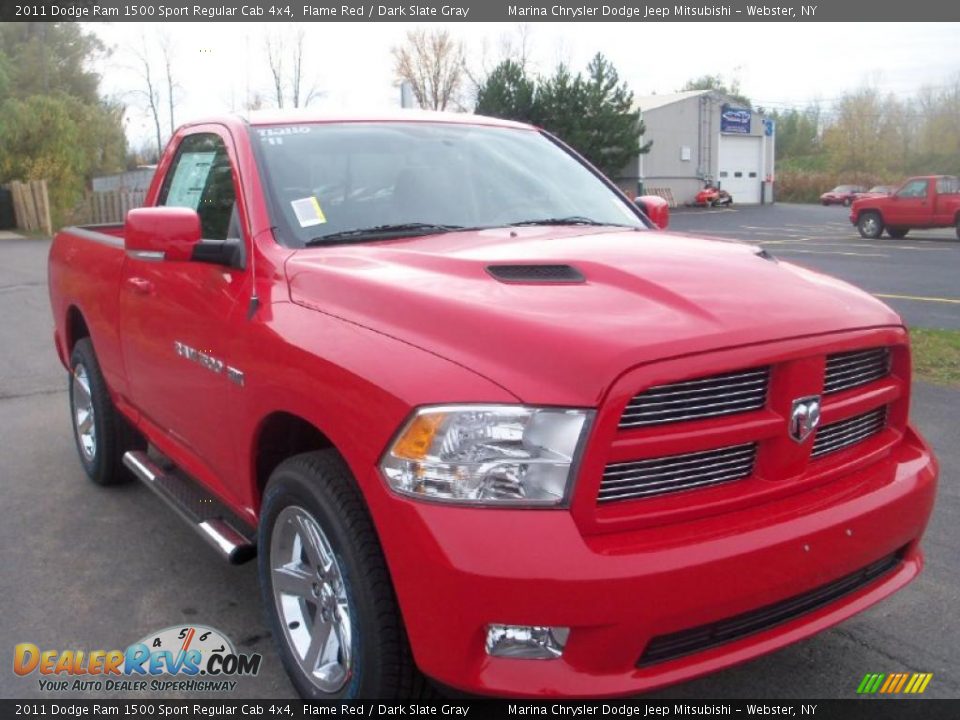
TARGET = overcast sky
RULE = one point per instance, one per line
(778, 64)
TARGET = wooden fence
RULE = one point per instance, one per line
(31, 205)
(111, 206)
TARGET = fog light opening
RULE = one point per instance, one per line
(528, 642)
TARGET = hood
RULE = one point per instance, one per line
(643, 296)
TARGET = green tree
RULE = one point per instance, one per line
(594, 114)
(798, 135)
(53, 123)
(507, 93)
(47, 58)
(611, 123)
(716, 82)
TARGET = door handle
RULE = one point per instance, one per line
(141, 286)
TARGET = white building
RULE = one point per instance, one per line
(698, 136)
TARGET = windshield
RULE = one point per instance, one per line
(356, 182)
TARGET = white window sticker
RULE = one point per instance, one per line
(308, 211)
(190, 179)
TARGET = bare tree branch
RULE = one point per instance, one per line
(149, 91)
(289, 82)
(274, 49)
(435, 66)
(168, 51)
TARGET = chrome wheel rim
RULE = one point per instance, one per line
(870, 225)
(83, 415)
(311, 599)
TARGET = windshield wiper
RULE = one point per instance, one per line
(571, 220)
(383, 232)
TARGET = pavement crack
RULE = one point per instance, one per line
(23, 285)
(899, 661)
(31, 393)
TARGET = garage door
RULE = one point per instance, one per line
(740, 166)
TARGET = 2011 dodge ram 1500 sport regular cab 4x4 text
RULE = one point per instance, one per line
(479, 418)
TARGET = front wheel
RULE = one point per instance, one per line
(327, 593)
(958, 228)
(870, 225)
(897, 233)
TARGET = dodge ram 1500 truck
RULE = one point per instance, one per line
(478, 417)
(921, 202)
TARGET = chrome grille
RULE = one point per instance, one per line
(726, 394)
(853, 369)
(839, 435)
(657, 476)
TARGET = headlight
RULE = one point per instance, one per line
(487, 454)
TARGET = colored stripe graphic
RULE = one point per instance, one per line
(894, 683)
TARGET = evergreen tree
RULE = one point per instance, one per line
(593, 114)
(507, 93)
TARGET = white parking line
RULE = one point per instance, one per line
(920, 298)
(829, 252)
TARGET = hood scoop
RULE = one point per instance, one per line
(527, 274)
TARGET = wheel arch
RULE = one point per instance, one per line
(281, 435)
(75, 328)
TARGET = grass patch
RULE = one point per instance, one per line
(936, 356)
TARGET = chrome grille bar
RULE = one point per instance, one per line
(840, 435)
(853, 369)
(718, 395)
(673, 473)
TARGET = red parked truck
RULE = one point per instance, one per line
(932, 201)
(479, 419)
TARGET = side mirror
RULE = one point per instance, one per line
(655, 208)
(162, 233)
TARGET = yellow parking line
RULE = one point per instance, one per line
(951, 301)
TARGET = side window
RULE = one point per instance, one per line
(914, 189)
(201, 179)
(947, 185)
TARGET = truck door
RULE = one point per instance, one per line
(943, 209)
(910, 206)
(178, 316)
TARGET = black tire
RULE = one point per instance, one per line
(897, 233)
(380, 664)
(870, 225)
(112, 434)
(958, 228)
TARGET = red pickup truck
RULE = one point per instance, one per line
(479, 418)
(921, 202)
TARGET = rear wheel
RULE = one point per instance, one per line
(870, 225)
(101, 433)
(326, 590)
(897, 233)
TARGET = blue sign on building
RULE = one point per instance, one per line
(735, 120)
(768, 127)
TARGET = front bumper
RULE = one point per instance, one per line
(457, 569)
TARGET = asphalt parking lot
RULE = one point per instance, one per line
(94, 568)
(918, 275)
